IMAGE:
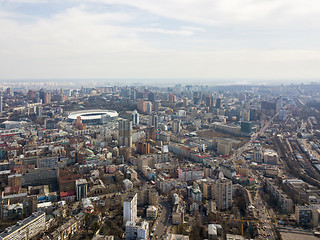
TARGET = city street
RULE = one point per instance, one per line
(162, 222)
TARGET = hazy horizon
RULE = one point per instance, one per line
(158, 82)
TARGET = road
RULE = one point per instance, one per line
(260, 212)
(162, 222)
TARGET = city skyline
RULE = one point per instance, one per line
(234, 42)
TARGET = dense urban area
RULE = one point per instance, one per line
(179, 162)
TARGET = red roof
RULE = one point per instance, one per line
(67, 194)
(10, 190)
(203, 156)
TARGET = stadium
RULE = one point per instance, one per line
(93, 117)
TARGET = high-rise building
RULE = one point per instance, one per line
(151, 133)
(133, 94)
(47, 98)
(142, 106)
(246, 128)
(245, 115)
(269, 105)
(130, 204)
(1, 103)
(172, 98)
(254, 114)
(78, 124)
(41, 94)
(9, 91)
(209, 101)
(176, 126)
(280, 102)
(143, 147)
(223, 193)
(153, 197)
(282, 114)
(151, 96)
(125, 133)
(258, 154)
(218, 103)
(135, 118)
(149, 107)
(30, 204)
(224, 147)
(81, 188)
(153, 121)
(185, 102)
(39, 110)
(157, 105)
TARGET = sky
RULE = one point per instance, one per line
(245, 40)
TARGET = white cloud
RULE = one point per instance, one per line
(222, 12)
(80, 43)
(183, 32)
(194, 29)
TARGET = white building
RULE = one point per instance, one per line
(149, 107)
(135, 118)
(152, 212)
(134, 231)
(26, 229)
(176, 237)
(270, 156)
(81, 188)
(245, 115)
(130, 209)
(143, 230)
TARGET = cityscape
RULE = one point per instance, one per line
(159, 120)
(180, 162)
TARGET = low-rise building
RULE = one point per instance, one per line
(282, 199)
(137, 231)
(176, 237)
(26, 229)
(152, 212)
(67, 230)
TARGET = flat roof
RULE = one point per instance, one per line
(19, 224)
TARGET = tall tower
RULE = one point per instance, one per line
(81, 188)
(30, 204)
(135, 118)
(223, 193)
(130, 208)
(209, 101)
(125, 133)
(219, 103)
(172, 98)
(1, 103)
(47, 98)
(153, 120)
(176, 126)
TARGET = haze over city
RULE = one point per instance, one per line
(149, 120)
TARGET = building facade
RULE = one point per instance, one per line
(130, 208)
(27, 228)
